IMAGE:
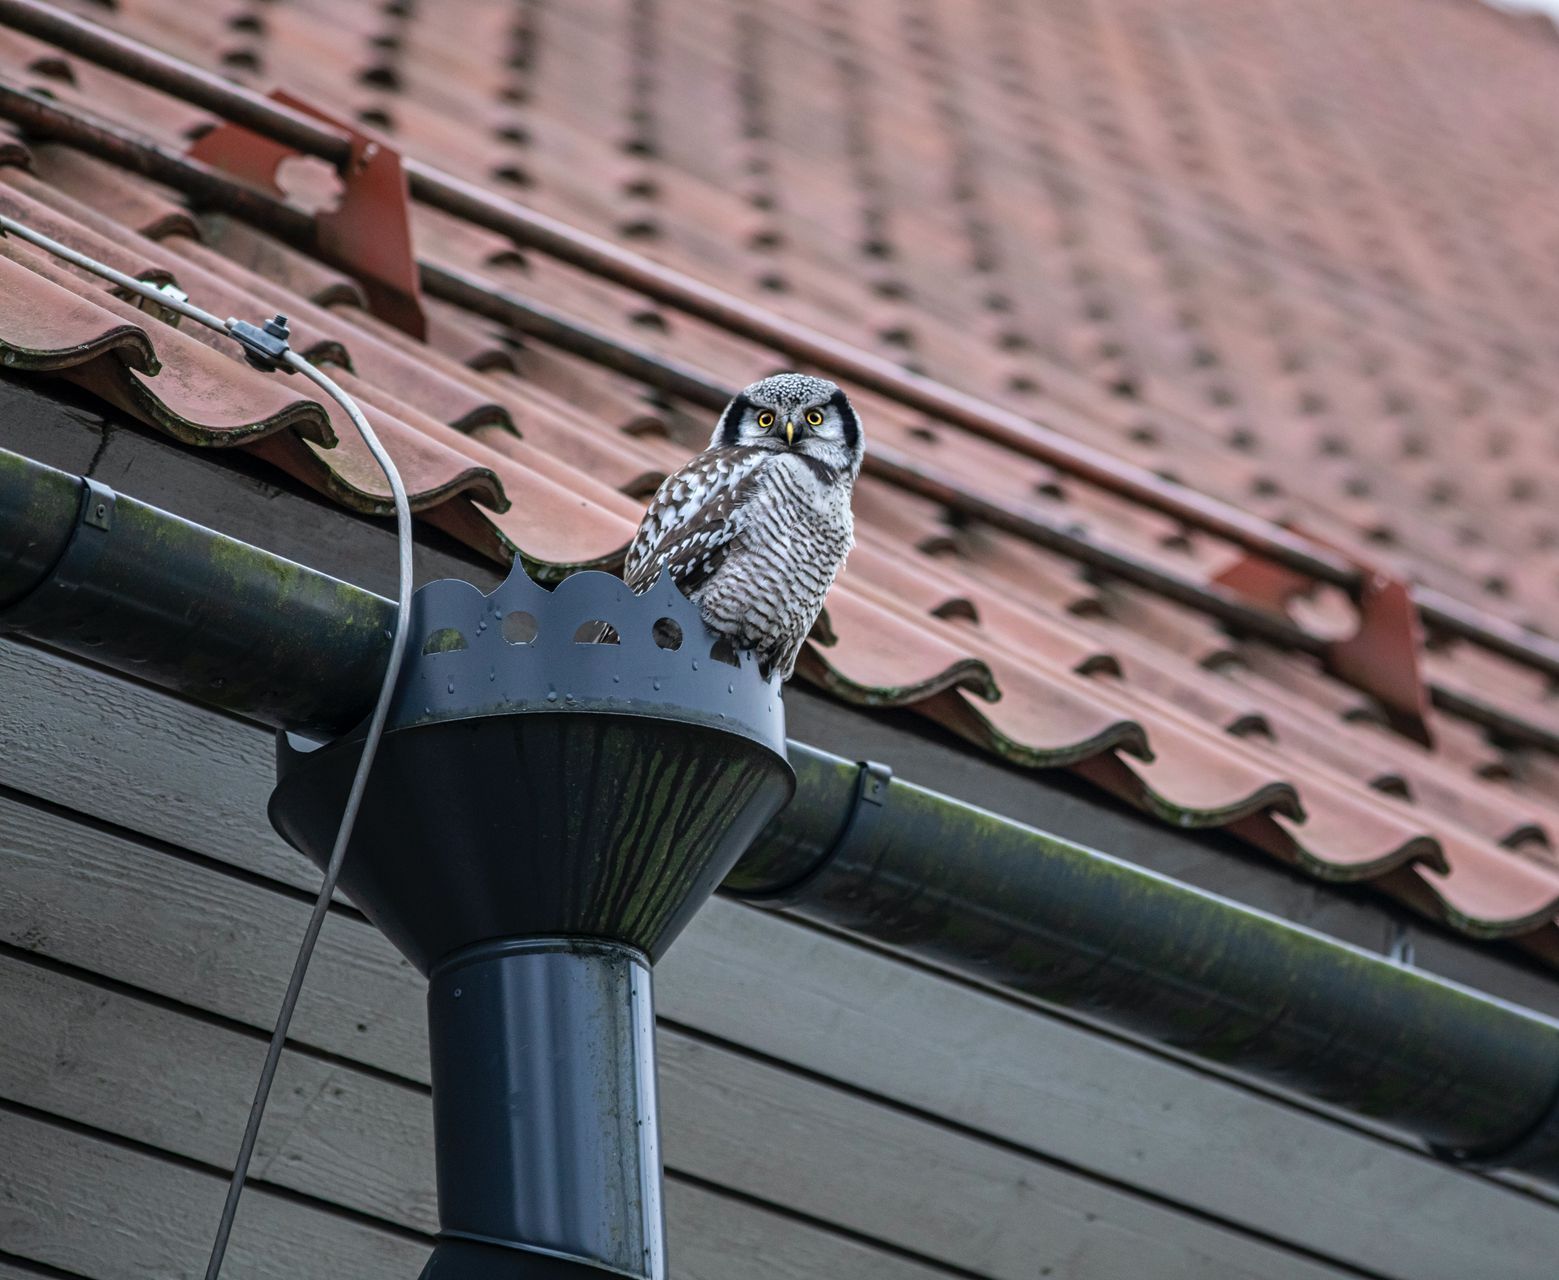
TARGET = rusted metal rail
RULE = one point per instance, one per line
(801, 343)
(180, 79)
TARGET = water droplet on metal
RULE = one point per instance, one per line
(656, 684)
(451, 686)
(617, 679)
(695, 664)
(730, 688)
(552, 695)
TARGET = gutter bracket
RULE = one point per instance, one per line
(866, 806)
(1381, 658)
(76, 565)
(367, 234)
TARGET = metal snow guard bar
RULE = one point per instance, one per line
(140, 591)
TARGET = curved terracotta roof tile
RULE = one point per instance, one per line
(123, 198)
(1375, 755)
(101, 92)
(548, 553)
(554, 517)
(202, 397)
(1037, 723)
(371, 356)
(47, 328)
(883, 660)
(906, 519)
(13, 151)
(920, 588)
(1042, 715)
(1486, 893)
(1215, 797)
(1349, 841)
(598, 395)
(472, 340)
(431, 457)
(273, 260)
(431, 471)
(587, 452)
(58, 216)
(1350, 832)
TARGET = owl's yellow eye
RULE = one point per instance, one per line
(814, 418)
(765, 420)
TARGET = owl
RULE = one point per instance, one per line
(757, 526)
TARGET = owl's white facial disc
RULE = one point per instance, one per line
(795, 412)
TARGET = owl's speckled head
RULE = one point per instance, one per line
(793, 411)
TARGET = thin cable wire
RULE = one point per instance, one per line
(172, 302)
(376, 721)
(354, 801)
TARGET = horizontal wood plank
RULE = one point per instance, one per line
(72, 1200)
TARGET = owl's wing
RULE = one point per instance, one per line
(693, 519)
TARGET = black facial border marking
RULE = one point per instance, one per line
(848, 419)
(730, 420)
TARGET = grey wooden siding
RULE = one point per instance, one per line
(829, 1112)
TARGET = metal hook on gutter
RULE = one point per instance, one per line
(861, 820)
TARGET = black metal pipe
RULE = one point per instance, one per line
(122, 584)
(44, 117)
(544, 1113)
(1013, 906)
(39, 507)
(176, 77)
(204, 616)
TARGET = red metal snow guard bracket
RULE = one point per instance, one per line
(1381, 658)
(367, 235)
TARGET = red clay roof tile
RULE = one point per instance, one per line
(45, 327)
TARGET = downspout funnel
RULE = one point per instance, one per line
(546, 813)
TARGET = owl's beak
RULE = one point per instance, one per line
(790, 432)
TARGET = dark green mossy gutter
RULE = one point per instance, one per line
(202, 615)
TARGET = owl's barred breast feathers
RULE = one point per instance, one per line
(755, 528)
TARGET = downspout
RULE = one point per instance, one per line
(1476, 1078)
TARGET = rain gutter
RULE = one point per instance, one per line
(135, 589)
